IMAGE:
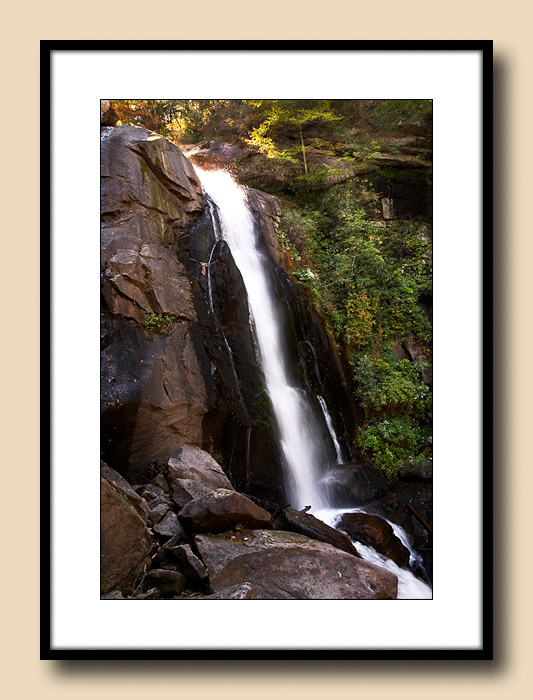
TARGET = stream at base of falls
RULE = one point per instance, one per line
(409, 586)
(300, 427)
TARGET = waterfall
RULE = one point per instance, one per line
(331, 429)
(300, 435)
(300, 444)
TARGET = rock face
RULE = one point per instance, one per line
(125, 540)
(377, 533)
(153, 391)
(221, 509)
(290, 566)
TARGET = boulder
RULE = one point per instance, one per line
(192, 568)
(241, 591)
(166, 581)
(377, 533)
(291, 567)
(222, 509)
(125, 540)
(168, 526)
(306, 524)
(108, 116)
(193, 473)
(127, 492)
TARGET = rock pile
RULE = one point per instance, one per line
(189, 533)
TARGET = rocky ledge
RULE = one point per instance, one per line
(187, 533)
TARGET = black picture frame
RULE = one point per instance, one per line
(48, 651)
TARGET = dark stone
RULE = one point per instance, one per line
(354, 484)
(215, 154)
(157, 513)
(292, 567)
(193, 473)
(192, 568)
(166, 581)
(168, 526)
(306, 524)
(417, 472)
(397, 506)
(222, 509)
(377, 533)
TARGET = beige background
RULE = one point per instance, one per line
(23, 675)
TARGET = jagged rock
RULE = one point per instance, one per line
(377, 533)
(166, 581)
(157, 513)
(306, 524)
(127, 491)
(125, 540)
(192, 568)
(241, 591)
(108, 116)
(192, 473)
(168, 526)
(291, 566)
(221, 509)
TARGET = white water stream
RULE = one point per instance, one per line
(299, 436)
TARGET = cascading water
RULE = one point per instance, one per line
(298, 434)
(331, 429)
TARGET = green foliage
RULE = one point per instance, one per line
(394, 442)
(391, 113)
(156, 322)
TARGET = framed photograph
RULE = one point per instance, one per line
(269, 281)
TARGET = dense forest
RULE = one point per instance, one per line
(354, 181)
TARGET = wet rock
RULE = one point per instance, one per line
(168, 526)
(267, 211)
(291, 566)
(306, 524)
(222, 509)
(152, 594)
(192, 568)
(125, 540)
(241, 591)
(377, 533)
(166, 581)
(354, 484)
